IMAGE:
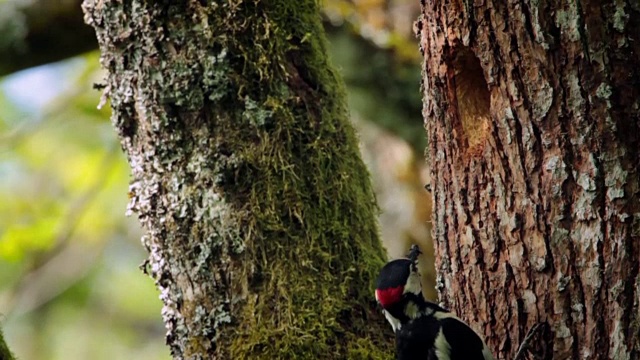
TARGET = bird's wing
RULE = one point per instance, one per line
(463, 343)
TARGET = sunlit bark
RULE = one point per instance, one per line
(531, 109)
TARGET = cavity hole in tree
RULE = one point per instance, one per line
(473, 100)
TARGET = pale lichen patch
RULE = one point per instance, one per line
(620, 17)
(567, 20)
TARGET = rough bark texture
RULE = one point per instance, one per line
(259, 212)
(531, 109)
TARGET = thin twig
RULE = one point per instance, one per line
(526, 342)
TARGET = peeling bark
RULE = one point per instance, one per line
(531, 109)
(259, 213)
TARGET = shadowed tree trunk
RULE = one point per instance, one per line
(531, 110)
(259, 213)
(5, 353)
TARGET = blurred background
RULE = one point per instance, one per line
(70, 287)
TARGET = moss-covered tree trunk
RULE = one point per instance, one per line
(532, 113)
(259, 214)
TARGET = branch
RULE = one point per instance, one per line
(36, 32)
(525, 345)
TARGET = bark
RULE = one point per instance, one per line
(258, 211)
(5, 353)
(531, 110)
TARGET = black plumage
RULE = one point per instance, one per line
(417, 339)
(424, 330)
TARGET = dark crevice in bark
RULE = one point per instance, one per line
(527, 20)
(519, 84)
(508, 343)
(601, 332)
(522, 318)
(588, 81)
(494, 47)
(624, 96)
(577, 290)
(472, 25)
(499, 148)
(582, 30)
(457, 254)
(521, 152)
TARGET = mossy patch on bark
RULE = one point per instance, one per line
(259, 212)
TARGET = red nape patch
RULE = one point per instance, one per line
(389, 296)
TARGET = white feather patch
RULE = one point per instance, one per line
(486, 354)
(413, 284)
(443, 349)
(395, 323)
(412, 310)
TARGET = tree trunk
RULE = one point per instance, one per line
(259, 213)
(531, 109)
(5, 353)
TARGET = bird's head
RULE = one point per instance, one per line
(398, 280)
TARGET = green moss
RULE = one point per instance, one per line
(263, 236)
(315, 245)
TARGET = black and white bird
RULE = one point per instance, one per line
(424, 330)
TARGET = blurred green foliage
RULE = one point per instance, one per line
(69, 283)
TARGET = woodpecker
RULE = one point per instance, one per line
(424, 330)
